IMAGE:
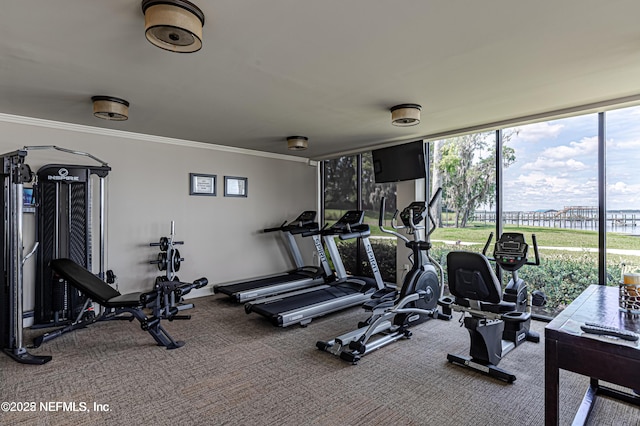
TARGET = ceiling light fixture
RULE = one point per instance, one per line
(404, 115)
(174, 25)
(297, 143)
(110, 108)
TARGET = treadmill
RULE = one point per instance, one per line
(347, 291)
(300, 277)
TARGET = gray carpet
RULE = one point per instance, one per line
(238, 369)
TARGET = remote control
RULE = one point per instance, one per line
(595, 328)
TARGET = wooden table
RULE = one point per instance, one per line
(601, 358)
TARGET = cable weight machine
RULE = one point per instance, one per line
(65, 227)
(15, 174)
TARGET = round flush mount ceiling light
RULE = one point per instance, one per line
(405, 115)
(174, 25)
(110, 108)
(297, 143)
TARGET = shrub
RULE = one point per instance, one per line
(561, 276)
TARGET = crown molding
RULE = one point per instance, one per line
(58, 125)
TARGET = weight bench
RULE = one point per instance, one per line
(102, 293)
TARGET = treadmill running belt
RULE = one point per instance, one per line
(298, 301)
(260, 283)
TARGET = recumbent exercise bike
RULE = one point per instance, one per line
(497, 322)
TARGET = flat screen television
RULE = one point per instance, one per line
(400, 162)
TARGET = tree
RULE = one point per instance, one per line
(340, 183)
(468, 168)
(373, 192)
(436, 181)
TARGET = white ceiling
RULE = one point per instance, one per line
(327, 69)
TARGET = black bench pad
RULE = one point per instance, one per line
(92, 286)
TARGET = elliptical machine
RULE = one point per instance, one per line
(497, 322)
(393, 313)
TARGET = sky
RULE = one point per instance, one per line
(556, 163)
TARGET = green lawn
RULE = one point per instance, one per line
(553, 237)
(549, 237)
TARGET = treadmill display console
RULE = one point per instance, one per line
(305, 218)
(350, 218)
(301, 224)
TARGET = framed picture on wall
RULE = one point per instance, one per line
(201, 184)
(235, 186)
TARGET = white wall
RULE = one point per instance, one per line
(148, 187)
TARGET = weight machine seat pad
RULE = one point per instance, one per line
(92, 286)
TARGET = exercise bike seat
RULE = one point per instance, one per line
(474, 284)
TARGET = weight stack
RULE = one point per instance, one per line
(64, 225)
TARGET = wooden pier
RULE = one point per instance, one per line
(572, 217)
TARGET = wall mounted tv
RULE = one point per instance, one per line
(400, 162)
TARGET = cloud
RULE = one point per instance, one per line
(621, 195)
(622, 144)
(542, 163)
(538, 131)
(539, 190)
(586, 146)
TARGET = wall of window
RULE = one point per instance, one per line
(340, 178)
(550, 189)
(346, 189)
(623, 192)
(550, 183)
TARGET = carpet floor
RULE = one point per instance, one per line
(238, 369)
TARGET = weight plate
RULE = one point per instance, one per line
(164, 244)
(162, 261)
(176, 260)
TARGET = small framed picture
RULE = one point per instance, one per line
(200, 184)
(235, 186)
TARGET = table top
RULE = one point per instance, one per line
(599, 304)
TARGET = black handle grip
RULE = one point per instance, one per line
(358, 231)
(201, 282)
(382, 209)
(535, 251)
(275, 229)
(435, 197)
(146, 298)
(486, 246)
